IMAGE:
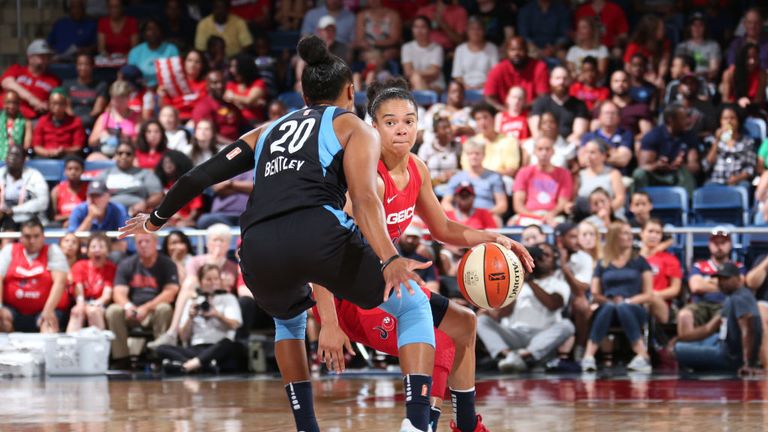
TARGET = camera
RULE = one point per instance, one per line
(202, 301)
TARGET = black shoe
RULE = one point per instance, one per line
(172, 367)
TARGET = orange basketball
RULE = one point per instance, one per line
(490, 276)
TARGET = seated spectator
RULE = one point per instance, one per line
(586, 88)
(532, 235)
(513, 121)
(640, 89)
(208, 324)
(598, 175)
(138, 190)
(529, 331)
(546, 25)
(440, 151)
(449, 23)
(24, 193)
(465, 212)
(739, 349)
(474, 58)
(178, 248)
(706, 298)
(57, 133)
(290, 13)
(454, 109)
(564, 152)
(171, 167)
(144, 55)
(117, 123)
(589, 240)
(682, 67)
(618, 140)
(744, 81)
(229, 201)
(519, 70)
(668, 156)
(577, 267)
(32, 83)
(93, 279)
(587, 44)
(372, 67)
(178, 138)
(88, 97)
(231, 28)
(141, 99)
(731, 157)
(146, 285)
(276, 110)
(753, 34)
(422, 59)
(327, 32)
(178, 26)
(650, 43)
(71, 248)
(335, 9)
(74, 34)
(601, 214)
(409, 245)
(151, 145)
(116, 33)
(622, 284)
(502, 153)
(245, 90)
(640, 206)
(667, 272)
(702, 115)
(34, 279)
(184, 99)
(488, 185)
(571, 113)
(17, 130)
(705, 52)
(226, 117)
(98, 213)
(66, 195)
(613, 21)
(756, 281)
(203, 143)
(497, 18)
(634, 116)
(215, 54)
(543, 191)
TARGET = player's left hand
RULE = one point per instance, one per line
(330, 347)
(518, 250)
(135, 225)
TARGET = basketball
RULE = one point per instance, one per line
(490, 276)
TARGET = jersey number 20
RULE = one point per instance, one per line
(299, 132)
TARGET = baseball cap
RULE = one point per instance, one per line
(326, 21)
(97, 187)
(697, 16)
(464, 187)
(564, 228)
(39, 47)
(720, 231)
(131, 74)
(728, 269)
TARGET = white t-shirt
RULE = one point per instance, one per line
(440, 159)
(530, 312)
(582, 265)
(576, 55)
(423, 57)
(564, 152)
(473, 67)
(210, 331)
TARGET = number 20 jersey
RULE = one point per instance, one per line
(298, 164)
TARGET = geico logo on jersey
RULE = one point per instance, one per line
(280, 164)
(401, 216)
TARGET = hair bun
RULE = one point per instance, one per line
(313, 50)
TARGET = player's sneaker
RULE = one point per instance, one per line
(406, 426)
(479, 426)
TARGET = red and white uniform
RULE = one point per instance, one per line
(67, 199)
(28, 283)
(515, 126)
(399, 205)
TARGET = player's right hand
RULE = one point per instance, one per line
(330, 347)
(399, 272)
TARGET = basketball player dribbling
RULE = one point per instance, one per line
(405, 188)
(294, 230)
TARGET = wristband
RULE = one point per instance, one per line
(156, 219)
(389, 261)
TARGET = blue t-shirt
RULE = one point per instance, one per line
(66, 32)
(738, 304)
(659, 140)
(114, 217)
(624, 281)
(485, 186)
(708, 268)
(620, 138)
(144, 58)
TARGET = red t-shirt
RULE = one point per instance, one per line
(118, 43)
(588, 94)
(634, 48)
(148, 160)
(515, 126)
(665, 267)
(250, 10)
(250, 114)
(68, 200)
(399, 204)
(225, 116)
(543, 189)
(40, 86)
(94, 279)
(533, 78)
(480, 219)
(405, 8)
(612, 20)
(67, 134)
(195, 204)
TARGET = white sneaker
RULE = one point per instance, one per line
(512, 363)
(163, 339)
(406, 426)
(588, 364)
(640, 364)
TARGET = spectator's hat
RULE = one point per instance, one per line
(326, 21)
(39, 47)
(132, 74)
(464, 187)
(97, 187)
(697, 16)
(564, 228)
(412, 231)
(727, 270)
(720, 232)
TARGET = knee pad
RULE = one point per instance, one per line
(294, 328)
(414, 316)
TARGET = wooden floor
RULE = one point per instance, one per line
(372, 404)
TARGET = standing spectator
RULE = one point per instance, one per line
(66, 195)
(117, 33)
(34, 279)
(24, 193)
(587, 44)
(171, 167)
(136, 189)
(422, 59)
(475, 57)
(513, 121)
(753, 34)
(619, 141)
(379, 27)
(178, 27)
(98, 213)
(195, 71)
(744, 81)
(546, 24)
(488, 185)
(178, 248)
(88, 97)
(145, 287)
(668, 156)
(15, 129)
(571, 113)
(649, 41)
(465, 212)
(586, 87)
(517, 70)
(543, 191)
(144, 55)
(245, 90)
(74, 34)
(706, 53)
(178, 137)
(345, 20)
(32, 83)
(231, 28)
(440, 151)
(226, 117)
(634, 116)
(576, 266)
(497, 18)
(598, 175)
(731, 158)
(613, 21)
(621, 285)
(502, 152)
(57, 133)
(93, 279)
(667, 272)
(117, 123)
(151, 144)
(448, 23)
(564, 152)
(529, 330)
(229, 201)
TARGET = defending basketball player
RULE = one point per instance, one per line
(294, 230)
(405, 189)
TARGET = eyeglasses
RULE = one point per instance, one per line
(124, 153)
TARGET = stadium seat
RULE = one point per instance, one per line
(718, 204)
(425, 98)
(756, 246)
(94, 168)
(51, 169)
(292, 100)
(283, 40)
(670, 204)
(472, 97)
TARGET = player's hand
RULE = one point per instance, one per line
(330, 347)
(135, 225)
(399, 272)
(519, 250)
